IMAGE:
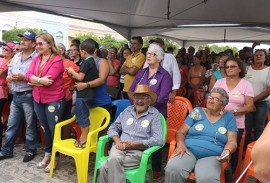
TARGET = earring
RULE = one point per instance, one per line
(221, 113)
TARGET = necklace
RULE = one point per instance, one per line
(41, 66)
(152, 82)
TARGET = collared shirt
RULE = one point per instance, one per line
(162, 86)
(169, 63)
(146, 129)
(17, 66)
(137, 60)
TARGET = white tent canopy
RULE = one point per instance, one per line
(234, 20)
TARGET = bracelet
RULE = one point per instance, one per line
(38, 80)
(228, 150)
(87, 85)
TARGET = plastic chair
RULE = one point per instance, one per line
(120, 106)
(99, 119)
(135, 175)
(182, 91)
(192, 175)
(250, 171)
(177, 113)
(240, 155)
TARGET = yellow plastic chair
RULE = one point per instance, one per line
(99, 119)
(136, 175)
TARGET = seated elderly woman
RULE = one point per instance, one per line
(206, 135)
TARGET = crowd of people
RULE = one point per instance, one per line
(39, 74)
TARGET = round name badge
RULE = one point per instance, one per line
(133, 60)
(51, 108)
(145, 123)
(153, 82)
(235, 93)
(199, 127)
(222, 130)
(130, 121)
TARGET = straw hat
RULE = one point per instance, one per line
(144, 89)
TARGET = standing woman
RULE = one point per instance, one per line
(124, 54)
(258, 75)
(159, 81)
(196, 75)
(46, 75)
(7, 53)
(240, 97)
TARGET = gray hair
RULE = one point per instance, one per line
(60, 45)
(223, 93)
(157, 50)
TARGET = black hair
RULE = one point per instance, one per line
(89, 46)
(139, 39)
(76, 41)
(170, 49)
(76, 45)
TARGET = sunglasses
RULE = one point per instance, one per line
(16, 49)
(231, 66)
(6, 49)
(41, 43)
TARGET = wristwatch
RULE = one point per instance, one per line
(235, 111)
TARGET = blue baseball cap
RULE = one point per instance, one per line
(29, 35)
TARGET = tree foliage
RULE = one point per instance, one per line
(218, 49)
(107, 41)
(167, 42)
(12, 35)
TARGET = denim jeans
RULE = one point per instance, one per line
(21, 105)
(256, 120)
(49, 114)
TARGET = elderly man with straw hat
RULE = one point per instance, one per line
(140, 128)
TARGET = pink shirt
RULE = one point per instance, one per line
(3, 67)
(237, 97)
(53, 68)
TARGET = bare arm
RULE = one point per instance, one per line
(230, 146)
(212, 82)
(263, 94)
(180, 137)
(248, 106)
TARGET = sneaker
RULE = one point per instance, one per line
(28, 157)
(156, 175)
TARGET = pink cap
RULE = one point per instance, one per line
(11, 45)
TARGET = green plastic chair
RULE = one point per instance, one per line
(135, 175)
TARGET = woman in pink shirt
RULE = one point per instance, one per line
(240, 94)
(46, 75)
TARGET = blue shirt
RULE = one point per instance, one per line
(218, 74)
(102, 97)
(205, 138)
(146, 129)
(17, 66)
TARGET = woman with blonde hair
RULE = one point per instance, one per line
(46, 75)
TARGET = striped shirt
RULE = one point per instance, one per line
(146, 128)
(17, 66)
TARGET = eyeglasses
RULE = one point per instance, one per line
(231, 66)
(137, 97)
(6, 49)
(151, 54)
(216, 100)
(41, 43)
(73, 49)
(16, 49)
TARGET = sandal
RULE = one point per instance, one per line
(41, 165)
(47, 169)
(79, 144)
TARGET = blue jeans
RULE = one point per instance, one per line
(256, 120)
(82, 111)
(21, 105)
(49, 114)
